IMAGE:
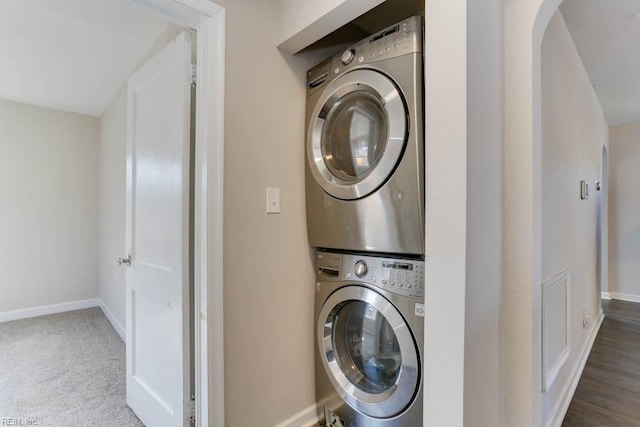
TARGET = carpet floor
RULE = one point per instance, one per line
(64, 369)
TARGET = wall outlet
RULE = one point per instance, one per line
(586, 319)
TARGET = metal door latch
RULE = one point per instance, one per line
(192, 409)
(126, 261)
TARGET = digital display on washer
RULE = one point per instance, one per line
(385, 33)
(397, 265)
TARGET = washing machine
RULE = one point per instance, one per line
(369, 339)
(365, 145)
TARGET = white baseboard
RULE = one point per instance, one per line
(605, 295)
(560, 408)
(114, 322)
(43, 310)
(623, 297)
(306, 418)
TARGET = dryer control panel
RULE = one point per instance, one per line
(400, 276)
(399, 39)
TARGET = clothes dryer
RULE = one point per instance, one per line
(369, 340)
(365, 145)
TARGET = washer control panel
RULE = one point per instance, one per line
(400, 276)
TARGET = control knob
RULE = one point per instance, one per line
(361, 268)
(348, 56)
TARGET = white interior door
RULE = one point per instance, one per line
(157, 278)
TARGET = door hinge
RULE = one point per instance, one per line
(194, 74)
(192, 409)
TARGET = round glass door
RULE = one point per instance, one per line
(357, 134)
(354, 136)
(368, 351)
(366, 347)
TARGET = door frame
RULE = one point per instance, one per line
(603, 230)
(208, 19)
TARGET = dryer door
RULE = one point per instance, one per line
(368, 351)
(357, 134)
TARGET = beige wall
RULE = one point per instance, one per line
(573, 133)
(268, 273)
(49, 215)
(624, 211)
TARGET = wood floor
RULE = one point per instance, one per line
(609, 390)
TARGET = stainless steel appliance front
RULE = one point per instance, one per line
(369, 326)
(365, 147)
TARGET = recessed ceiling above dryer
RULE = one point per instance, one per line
(383, 15)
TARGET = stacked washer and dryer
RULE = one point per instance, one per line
(365, 215)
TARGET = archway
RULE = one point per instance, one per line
(524, 27)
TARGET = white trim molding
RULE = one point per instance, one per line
(208, 19)
(560, 408)
(120, 330)
(44, 310)
(551, 368)
(621, 297)
(311, 415)
(308, 417)
(605, 295)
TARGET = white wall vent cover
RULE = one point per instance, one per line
(555, 327)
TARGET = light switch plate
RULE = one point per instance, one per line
(584, 190)
(273, 200)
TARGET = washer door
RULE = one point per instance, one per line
(357, 134)
(368, 352)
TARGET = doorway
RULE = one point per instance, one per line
(602, 264)
(208, 19)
